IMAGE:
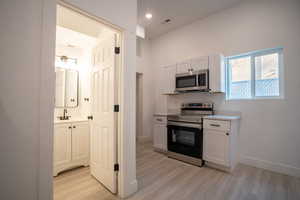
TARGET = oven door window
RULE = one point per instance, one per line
(185, 140)
(186, 81)
(184, 137)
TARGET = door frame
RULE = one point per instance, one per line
(46, 120)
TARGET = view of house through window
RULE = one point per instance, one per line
(254, 75)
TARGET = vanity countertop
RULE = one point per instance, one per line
(70, 120)
(222, 117)
(164, 114)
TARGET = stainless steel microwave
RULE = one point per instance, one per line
(196, 81)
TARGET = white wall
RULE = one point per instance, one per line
(269, 135)
(21, 81)
(144, 67)
(27, 80)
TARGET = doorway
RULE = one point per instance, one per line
(87, 66)
(139, 106)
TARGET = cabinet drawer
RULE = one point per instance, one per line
(160, 119)
(216, 125)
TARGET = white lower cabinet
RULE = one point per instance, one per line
(160, 133)
(220, 143)
(71, 146)
(216, 147)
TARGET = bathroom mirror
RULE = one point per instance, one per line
(66, 92)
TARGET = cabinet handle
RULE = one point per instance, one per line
(70, 127)
(227, 133)
(215, 125)
(74, 126)
(160, 120)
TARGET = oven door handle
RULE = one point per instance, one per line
(184, 124)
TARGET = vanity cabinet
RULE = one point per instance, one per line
(220, 143)
(71, 145)
(160, 133)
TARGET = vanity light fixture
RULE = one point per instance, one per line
(148, 16)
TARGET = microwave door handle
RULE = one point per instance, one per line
(207, 79)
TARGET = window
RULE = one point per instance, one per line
(255, 75)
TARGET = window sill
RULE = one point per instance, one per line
(257, 98)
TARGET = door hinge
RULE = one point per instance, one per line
(116, 108)
(90, 117)
(116, 167)
(117, 50)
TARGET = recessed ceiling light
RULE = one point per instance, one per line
(148, 15)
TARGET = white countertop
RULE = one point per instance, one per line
(222, 117)
(164, 114)
(70, 120)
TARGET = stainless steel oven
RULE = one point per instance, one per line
(185, 132)
(196, 81)
(185, 138)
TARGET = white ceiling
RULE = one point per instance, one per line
(73, 39)
(180, 12)
(74, 21)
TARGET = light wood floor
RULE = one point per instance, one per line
(162, 178)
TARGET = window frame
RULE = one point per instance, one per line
(252, 56)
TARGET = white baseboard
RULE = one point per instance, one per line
(133, 188)
(275, 167)
(144, 138)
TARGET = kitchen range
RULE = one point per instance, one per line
(185, 132)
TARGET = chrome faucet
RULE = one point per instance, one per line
(65, 116)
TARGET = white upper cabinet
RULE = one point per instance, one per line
(183, 67)
(216, 73)
(192, 65)
(200, 63)
(167, 79)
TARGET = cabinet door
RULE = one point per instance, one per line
(183, 67)
(160, 136)
(80, 141)
(168, 79)
(199, 63)
(216, 73)
(62, 144)
(216, 147)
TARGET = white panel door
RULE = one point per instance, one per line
(103, 131)
(216, 147)
(80, 141)
(62, 144)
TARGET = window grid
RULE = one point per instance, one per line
(253, 80)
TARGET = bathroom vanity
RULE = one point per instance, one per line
(71, 125)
